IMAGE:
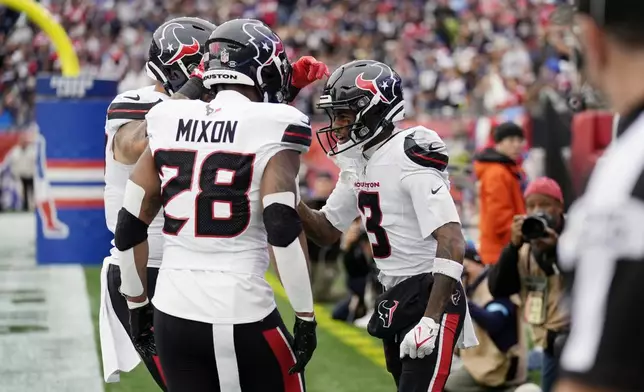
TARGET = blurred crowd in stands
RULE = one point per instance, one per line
(454, 55)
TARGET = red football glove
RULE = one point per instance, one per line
(307, 70)
(197, 72)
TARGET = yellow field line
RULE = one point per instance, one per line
(347, 334)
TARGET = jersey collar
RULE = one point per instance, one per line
(626, 120)
(372, 150)
(230, 95)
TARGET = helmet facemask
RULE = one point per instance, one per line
(369, 123)
(276, 79)
(172, 78)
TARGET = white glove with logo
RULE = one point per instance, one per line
(421, 340)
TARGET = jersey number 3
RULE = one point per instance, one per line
(222, 207)
(373, 222)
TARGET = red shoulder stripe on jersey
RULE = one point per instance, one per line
(130, 110)
(297, 134)
(425, 156)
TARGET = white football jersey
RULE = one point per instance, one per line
(211, 158)
(129, 106)
(402, 195)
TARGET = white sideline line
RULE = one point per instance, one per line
(62, 356)
(79, 175)
(77, 192)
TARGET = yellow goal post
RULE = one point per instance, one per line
(43, 19)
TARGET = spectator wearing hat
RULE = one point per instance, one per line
(528, 266)
(500, 195)
(498, 363)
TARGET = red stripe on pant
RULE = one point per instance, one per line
(445, 349)
(282, 351)
(157, 362)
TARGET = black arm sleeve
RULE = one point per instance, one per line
(503, 279)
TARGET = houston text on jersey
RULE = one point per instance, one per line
(361, 184)
(209, 131)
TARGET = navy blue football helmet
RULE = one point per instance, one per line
(247, 52)
(371, 90)
(177, 46)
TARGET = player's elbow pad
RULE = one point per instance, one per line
(130, 231)
(283, 224)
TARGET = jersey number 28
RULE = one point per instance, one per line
(224, 179)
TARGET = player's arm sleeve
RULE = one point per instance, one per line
(341, 208)
(141, 203)
(284, 229)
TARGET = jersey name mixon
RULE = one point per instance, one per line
(209, 131)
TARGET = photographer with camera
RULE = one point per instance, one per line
(528, 266)
(499, 362)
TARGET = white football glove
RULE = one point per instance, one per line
(421, 340)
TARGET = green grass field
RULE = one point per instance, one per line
(347, 359)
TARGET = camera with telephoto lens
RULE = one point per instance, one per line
(534, 226)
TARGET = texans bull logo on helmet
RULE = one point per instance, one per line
(266, 43)
(380, 85)
(173, 49)
(386, 312)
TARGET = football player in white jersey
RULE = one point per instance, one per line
(177, 46)
(226, 175)
(396, 180)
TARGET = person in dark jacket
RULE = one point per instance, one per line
(528, 266)
(361, 277)
(500, 180)
(498, 363)
(324, 266)
(358, 264)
